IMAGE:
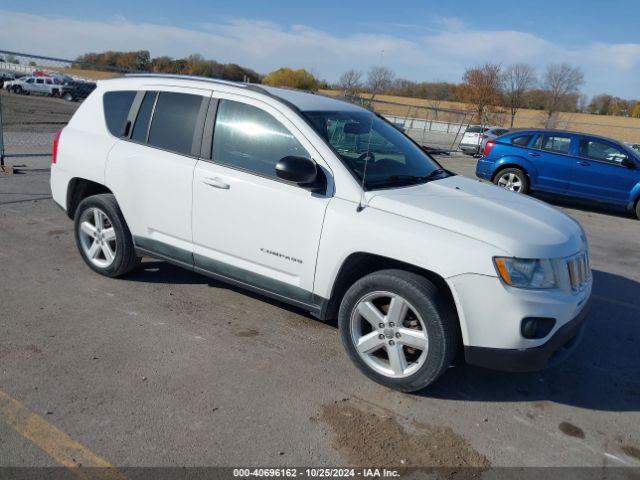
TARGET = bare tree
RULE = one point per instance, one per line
(517, 79)
(379, 79)
(561, 83)
(350, 82)
(482, 87)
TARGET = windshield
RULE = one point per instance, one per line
(375, 149)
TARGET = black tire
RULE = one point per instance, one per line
(17, 89)
(519, 174)
(638, 209)
(125, 259)
(68, 97)
(438, 316)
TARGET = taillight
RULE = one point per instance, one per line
(487, 148)
(54, 154)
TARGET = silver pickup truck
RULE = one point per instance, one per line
(35, 85)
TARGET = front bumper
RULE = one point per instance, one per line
(555, 350)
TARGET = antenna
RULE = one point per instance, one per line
(361, 205)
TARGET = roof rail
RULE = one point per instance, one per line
(187, 77)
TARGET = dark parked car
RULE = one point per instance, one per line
(576, 165)
(76, 90)
(6, 77)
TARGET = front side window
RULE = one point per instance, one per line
(553, 143)
(174, 121)
(29, 80)
(249, 138)
(39, 80)
(116, 108)
(602, 151)
(375, 149)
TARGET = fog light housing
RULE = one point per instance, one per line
(536, 327)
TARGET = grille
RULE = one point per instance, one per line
(579, 272)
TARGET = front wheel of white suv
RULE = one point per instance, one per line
(398, 329)
(103, 237)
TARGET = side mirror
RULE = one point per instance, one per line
(627, 162)
(298, 170)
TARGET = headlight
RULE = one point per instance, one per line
(526, 273)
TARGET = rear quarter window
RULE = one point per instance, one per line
(116, 108)
(521, 140)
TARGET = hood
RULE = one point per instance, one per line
(521, 226)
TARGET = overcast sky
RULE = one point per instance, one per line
(417, 39)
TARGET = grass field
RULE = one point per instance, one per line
(621, 128)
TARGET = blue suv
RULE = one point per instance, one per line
(575, 165)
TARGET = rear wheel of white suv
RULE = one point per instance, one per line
(398, 329)
(103, 238)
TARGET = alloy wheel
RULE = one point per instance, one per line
(97, 237)
(510, 181)
(389, 335)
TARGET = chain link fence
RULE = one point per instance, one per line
(437, 129)
(38, 96)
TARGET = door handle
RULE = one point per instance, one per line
(534, 154)
(216, 182)
(584, 164)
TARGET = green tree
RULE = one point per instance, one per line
(286, 77)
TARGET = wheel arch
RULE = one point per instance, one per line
(79, 189)
(360, 264)
(634, 197)
(515, 162)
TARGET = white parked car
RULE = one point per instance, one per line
(475, 138)
(36, 85)
(322, 205)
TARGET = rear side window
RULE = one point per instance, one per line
(249, 138)
(174, 121)
(116, 108)
(553, 143)
(521, 140)
(141, 127)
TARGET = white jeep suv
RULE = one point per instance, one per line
(326, 206)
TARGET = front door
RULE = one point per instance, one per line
(249, 225)
(599, 173)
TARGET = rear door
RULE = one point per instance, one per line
(599, 173)
(551, 154)
(151, 169)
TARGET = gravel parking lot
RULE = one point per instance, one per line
(169, 368)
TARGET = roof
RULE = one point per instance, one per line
(563, 132)
(305, 101)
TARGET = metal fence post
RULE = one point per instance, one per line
(1, 137)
